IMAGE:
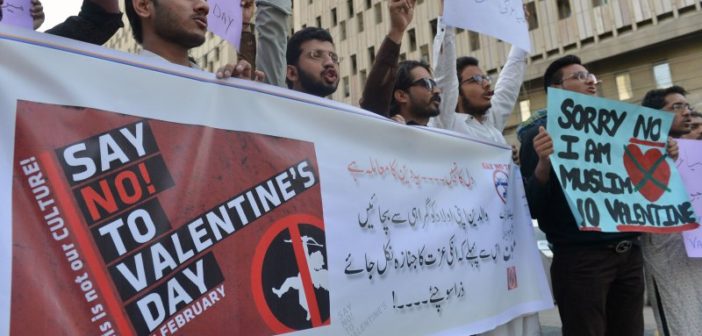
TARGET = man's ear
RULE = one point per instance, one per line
(291, 73)
(142, 8)
(401, 96)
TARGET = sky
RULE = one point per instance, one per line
(58, 10)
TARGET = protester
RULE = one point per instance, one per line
(378, 91)
(415, 96)
(167, 30)
(481, 113)
(312, 62)
(597, 277)
(671, 276)
(695, 127)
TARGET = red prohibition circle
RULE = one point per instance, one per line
(290, 222)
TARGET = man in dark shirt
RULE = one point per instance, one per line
(96, 22)
(597, 277)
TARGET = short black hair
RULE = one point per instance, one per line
(655, 99)
(135, 20)
(404, 80)
(554, 73)
(294, 50)
(462, 63)
(695, 114)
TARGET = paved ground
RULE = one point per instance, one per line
(551, 323)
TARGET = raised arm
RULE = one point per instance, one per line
(445, 74)
(507, 88)
(377, 92)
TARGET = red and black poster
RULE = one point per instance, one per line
(130, 226)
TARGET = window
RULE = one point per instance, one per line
(424, 53)
(368, 4)
(359, 18)
(412, 39)
(661, 73)
(371, 55)
(474, 40)
(623, 86)
(563, 9)
(533, 19)
(403, 57)
(342, 30)
(310, 2)
(334, 17)
(433, 24)
(525, 109)
(597, 3)
(364, 78)
(378, 13)
(354, 65)
(216, 54)
(349, 4)
(319, 21)
(347, 89)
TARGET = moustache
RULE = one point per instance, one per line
(436, 98)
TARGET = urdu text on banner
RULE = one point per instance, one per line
(144, 198)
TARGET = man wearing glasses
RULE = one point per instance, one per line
(671, 276)
(415, 96)
(597, 277)
(673, 100)
(312, 62)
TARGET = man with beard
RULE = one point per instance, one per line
(168, 29)
(312, 62)
(671, 276)
(415, 97)
(673, 100)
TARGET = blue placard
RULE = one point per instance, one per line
(611, 160)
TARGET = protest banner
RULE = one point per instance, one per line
(611, 160)
(224, 19)
(159, 200)
(503, 20)
(689, 165)
(17, 13)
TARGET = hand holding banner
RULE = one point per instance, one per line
(611, 160)
(501, 19)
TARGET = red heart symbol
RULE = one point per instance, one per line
(646, 171)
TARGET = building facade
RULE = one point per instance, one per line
(631, 45)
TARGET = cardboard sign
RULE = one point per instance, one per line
(690, 167)
(500, 19)
(611, 160)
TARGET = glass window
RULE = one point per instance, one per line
(563, 9)
(525, 109)
(661, 73)
(624, 86)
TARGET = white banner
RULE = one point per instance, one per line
(146, 198)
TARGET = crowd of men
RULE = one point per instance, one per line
(598, 278)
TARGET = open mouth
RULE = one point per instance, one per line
(330, 76)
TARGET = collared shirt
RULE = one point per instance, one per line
(506, 89)
(152, 55)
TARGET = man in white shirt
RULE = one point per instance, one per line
(470, 106)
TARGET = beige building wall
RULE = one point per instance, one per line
(619, 40)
